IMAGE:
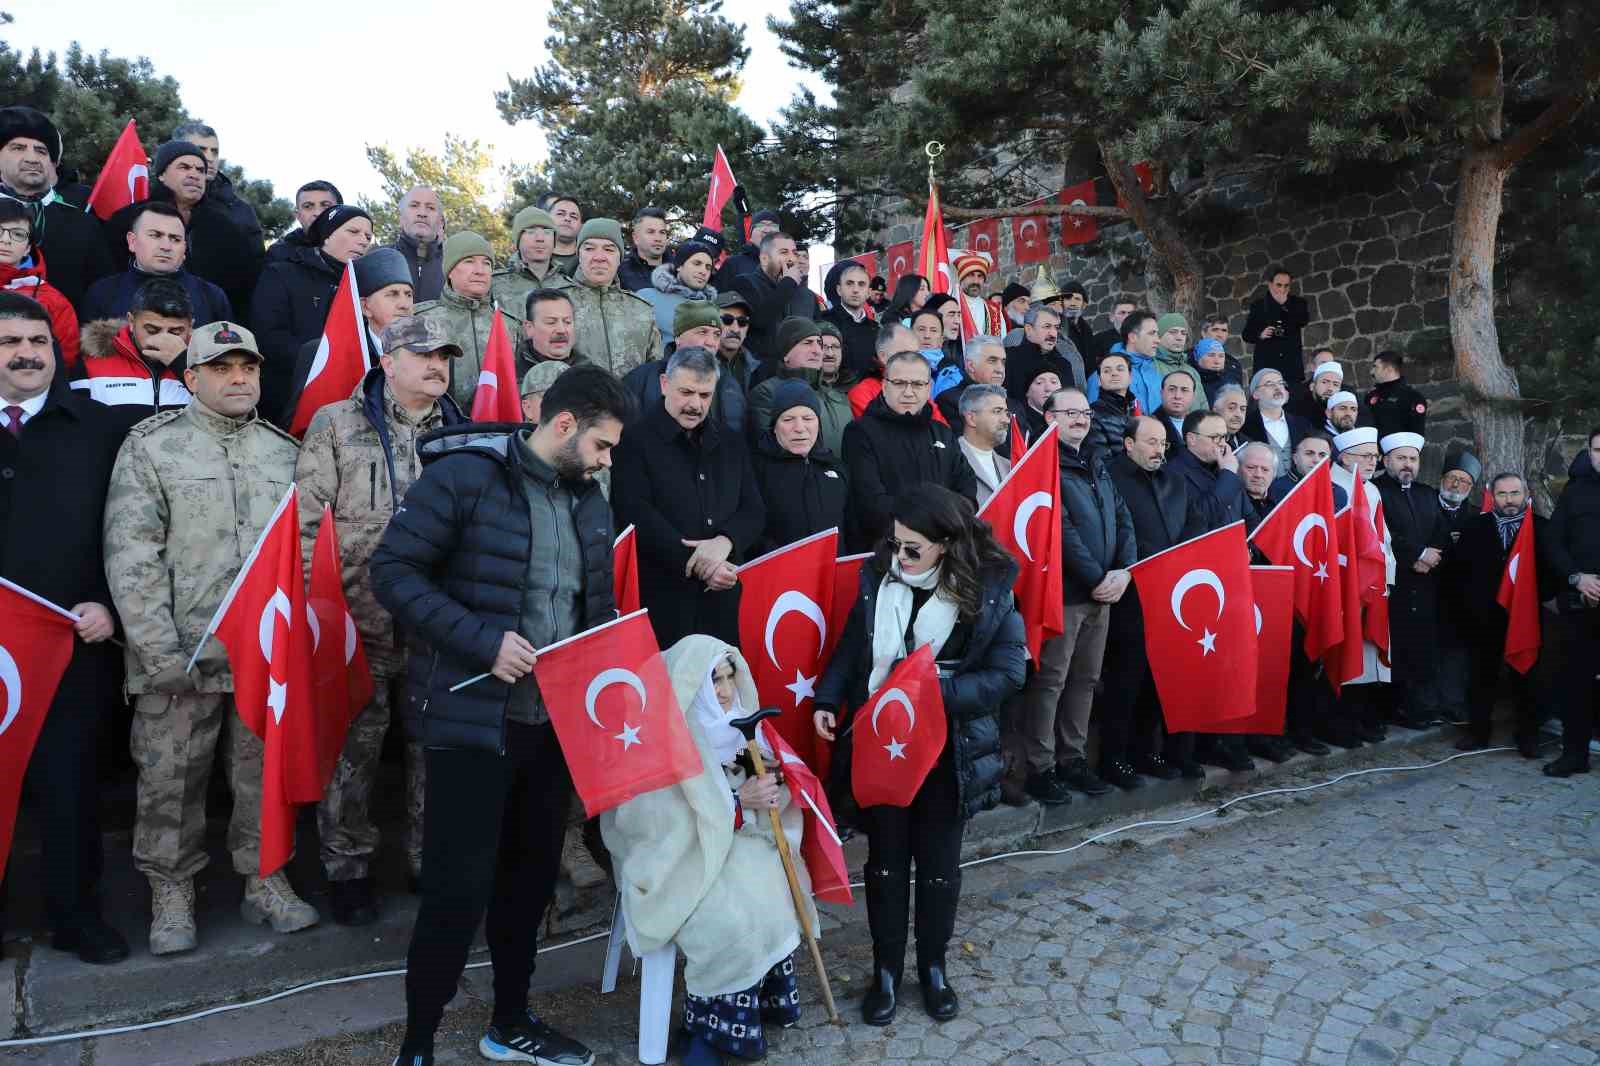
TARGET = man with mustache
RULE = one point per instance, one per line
(359, 457)
(685, 480)
(190, 494)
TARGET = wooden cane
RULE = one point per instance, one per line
(747, 726)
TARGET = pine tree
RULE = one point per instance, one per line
(460, 176)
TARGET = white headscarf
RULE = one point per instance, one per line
(725, 741)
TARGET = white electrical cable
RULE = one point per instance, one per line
(93, 1034)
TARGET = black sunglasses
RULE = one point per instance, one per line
(910, 551)
(735, 320)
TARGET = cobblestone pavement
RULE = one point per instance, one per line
(1444, 917)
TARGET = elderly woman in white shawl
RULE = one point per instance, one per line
(697, 866)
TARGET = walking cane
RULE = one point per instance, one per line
(747, 726)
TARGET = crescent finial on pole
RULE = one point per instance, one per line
(933, 150)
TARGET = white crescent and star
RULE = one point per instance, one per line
(798, 603)
(1019, 524)
(1512, 566)
(1199, 576)
(895, 748)
(278, 604)
(615, 675)
(1022, 231)
(320, 361)
(136, 173)
(1308, 523)
(11, 679)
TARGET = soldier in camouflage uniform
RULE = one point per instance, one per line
(190, 494)
(465, 310)
(615, 329)
(533, 236)
(359, 457)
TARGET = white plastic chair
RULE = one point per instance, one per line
(655, 988)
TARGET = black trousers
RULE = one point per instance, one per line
(928, 832)
(492, 831)
(1487, 665)
(63, 783)
(1581, 635)
(1126, 710)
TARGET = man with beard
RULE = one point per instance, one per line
(985, 427)
(421, 241)
(1343, 413)
(685, 480)
(1393, 405)
(1310, 400)
(503, 546)
(776, 290)
(359, 457)
(1362, 699)
(1269, 423)
(972, 270)
(1419, 538)
(1039, 342)
(1034, 351)
(1177, 396)
(650, 236)
(1014, 302)
(1234, 407)
(1476, 567)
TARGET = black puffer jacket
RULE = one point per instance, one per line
(990, 671)
(804, 494)
(451, 569)
(1096, 528)
(1573, 543)
(860, 338)
(289, 308)
(884, 452)
(1109, 427)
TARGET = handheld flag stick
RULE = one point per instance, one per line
(747, 726)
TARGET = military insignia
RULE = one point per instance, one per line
(1422, 408)
(227, 335)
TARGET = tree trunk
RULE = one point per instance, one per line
(1167, 241)
(1493, 399)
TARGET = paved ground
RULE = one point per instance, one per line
(1444, 917)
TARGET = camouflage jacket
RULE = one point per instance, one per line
(614, 328)
(190, 494)
(359, 456)
(467, 322)
(511, 284)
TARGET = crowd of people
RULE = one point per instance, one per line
(704, 394)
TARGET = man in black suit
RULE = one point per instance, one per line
(1419, 537)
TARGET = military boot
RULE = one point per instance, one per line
(271, 900)
(171, 916)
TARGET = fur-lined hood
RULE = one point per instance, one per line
(98, 338)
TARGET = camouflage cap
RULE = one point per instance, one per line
(418, 335)
(217, 339)
(542, 375)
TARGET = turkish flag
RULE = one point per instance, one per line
(264, 622)
(1519, 595)
(869, 263)
(899, 733)
(821, 847)
(341, 359)
(784, 602)
(1487, 503)
(1030, 238)
(1374, 580)
(846, 586)
(1347, 659)
(1272, 588)
(901, 261)
(1199, 653)
(1285, 538)
(125, 177)
(1147, 181)
(1078, 229)
(625, 571)
(984, 236)
(719, 192)
(496, 399)
(339, 670)
(1033, 489)
(933, 254)
(36, 641)
(610, 678)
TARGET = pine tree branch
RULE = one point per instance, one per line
(1561, 111)
(1110, 214)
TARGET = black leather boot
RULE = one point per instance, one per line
(938, 998)
(878, 1006)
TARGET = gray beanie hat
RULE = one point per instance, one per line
(380, 268)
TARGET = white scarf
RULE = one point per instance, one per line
(723, 739)
(893, 613)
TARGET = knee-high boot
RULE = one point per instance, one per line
(937, 898)
(888, 904)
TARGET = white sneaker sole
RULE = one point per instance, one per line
(497, 1053)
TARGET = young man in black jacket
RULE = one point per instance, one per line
(1572, 553)
(501, 547)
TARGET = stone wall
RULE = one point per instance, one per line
(1372, 263)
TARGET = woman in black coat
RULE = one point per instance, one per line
(802, 483)
(292, 298)
(939, 579)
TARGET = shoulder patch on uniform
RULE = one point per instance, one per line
(155, 422)
(264, 424)
(424, 306)
(1422, 408)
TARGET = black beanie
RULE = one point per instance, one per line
(688, 248)
(167, 154)
(792, 392)
(323, 226)
(21, 121)
(1012, 291)
(790, 332)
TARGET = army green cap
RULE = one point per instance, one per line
(418, 335)
(531, 218)
(542, 375)
(602, 229)
(691, 314)
(217, 339)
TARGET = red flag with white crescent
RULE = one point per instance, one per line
(611, 702)
(265, 623)
(1347, 659)
(846, 588)
(125, 177)
(719, 191)
(1018, 441)
(898, 734)
(933, 254)
(902, 261)
(984, 236)
(869, 263)
(496, 397)
(1301, 532)
(1272, 588)
(625, 571)
(820, 848)
(339, 669)
(36, 642)
(1199, 629)
(1519, 595)
(1025, 514)
(1030, 238)
(1078, 229)
(341, 359)
(785, 599)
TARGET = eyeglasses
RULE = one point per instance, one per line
(910, 551)
(1071, 412)
(906, 385)
(735, 320)
(1215, 438)
(19, 234)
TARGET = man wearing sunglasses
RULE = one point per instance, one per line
(896, 443)
(737, 359)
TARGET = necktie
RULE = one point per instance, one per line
(14, 419)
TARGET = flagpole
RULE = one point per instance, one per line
(40, 600)
(560, 643)
(1049, 434)
(1286, 496)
